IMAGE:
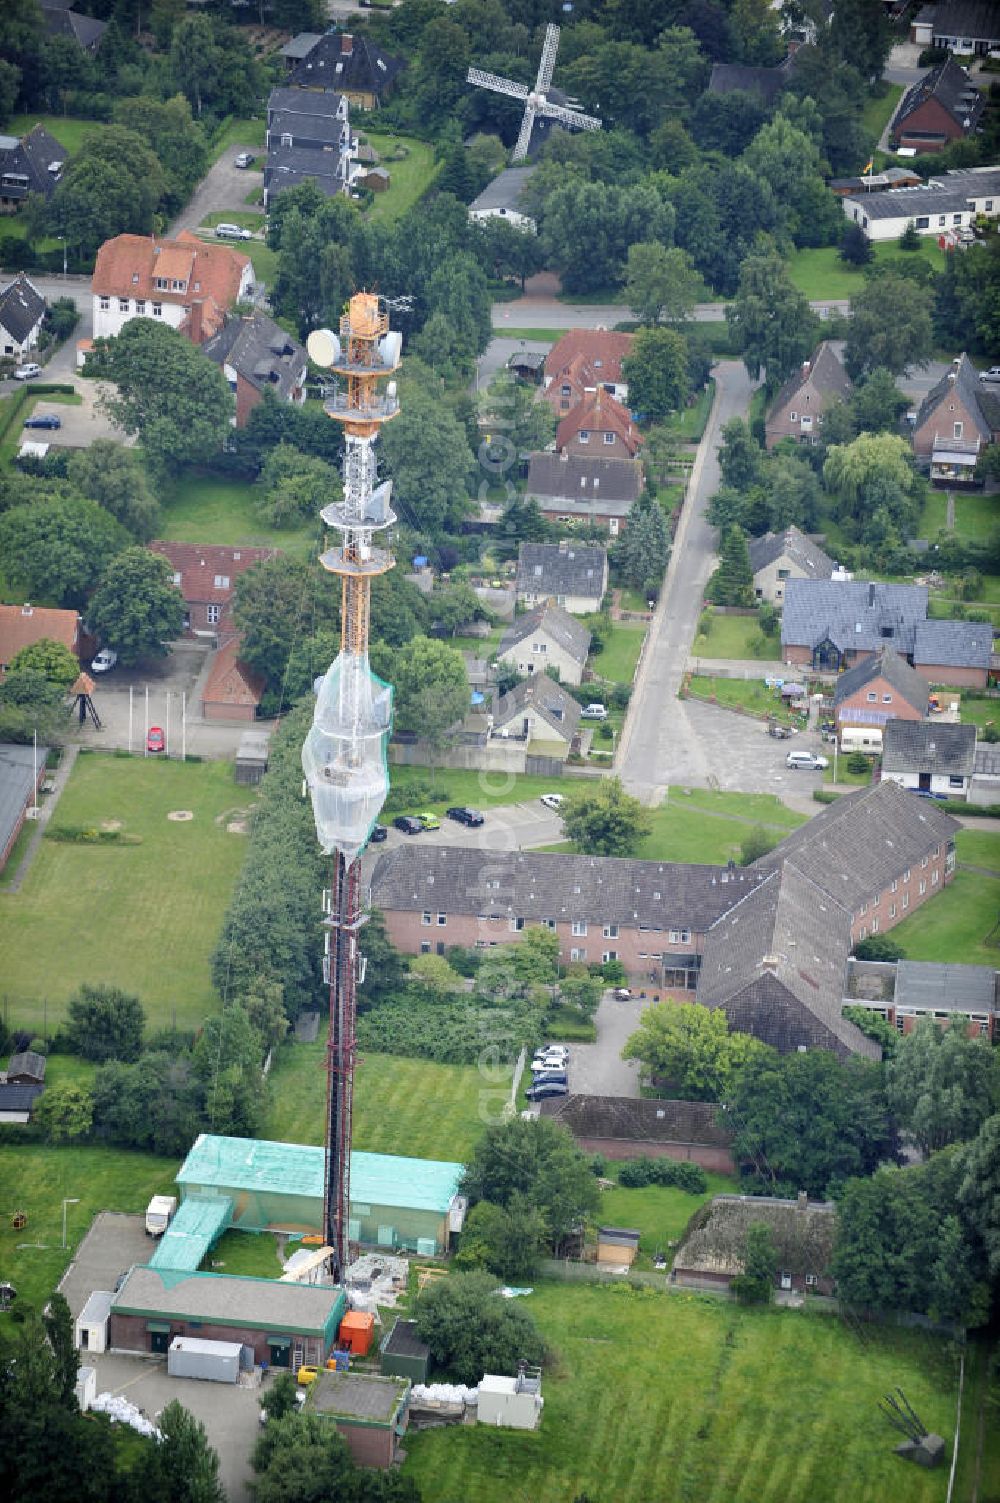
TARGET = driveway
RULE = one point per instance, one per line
(80, 425)
(223, 189)
(112, 1245)
(598, 1069)
(716, 748)
(498, 352)
(660, 742)
(508, 827)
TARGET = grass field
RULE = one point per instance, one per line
(481, 790)
(981, 712)
(819, 272)
(730, 637)
(879, 108)
(749, 693)
(659, 1213)
(205, 509)
(979, 848)
(689, 425)
(36, 1179)
(408, 1106)
(539, 336)
(621, 654)
(239, 135)
(145, 917)
(242, 1254)
(247, 219)
(976, 516)
(409, 178)
(706, 826)
(67, 131)
(954, 925)
(681, 1399)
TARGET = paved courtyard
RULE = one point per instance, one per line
(113, 1243)
(598, 1069)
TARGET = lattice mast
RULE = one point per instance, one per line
(344, 756)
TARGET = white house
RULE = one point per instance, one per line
(574, 576)
(187, 283)
(501, 199)
(944, 206)
(929, 757)
(22, 311)
(547, 638)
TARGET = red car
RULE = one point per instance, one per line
(155, 740)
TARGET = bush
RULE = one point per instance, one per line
(826, 795)
(858, 762)
(470, 1331)
(637, 1173)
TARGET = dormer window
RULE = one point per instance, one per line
(135, 278)
(161, 283)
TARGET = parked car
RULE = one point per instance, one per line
(104, 661)
(464, 816)
(991, 375)
(806, 761)
(429, 821)
(779, 732)
(155, 739)
(557, 1060)
(44, 420)
(232, 232)
(409, 824)
(244, 159)
(546, 1090)
(27, 372)
(550, 1077)
(548, 1049)
(378, 834)
(551, 800)
(594, 712)
(622, 994)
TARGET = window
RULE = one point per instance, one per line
(923, 886)
(613, 526)
(906, 875)
(807, 422)
(425, 918)
(105, 303)
(989, 205)
(922, 222)
(784, 573)
(956, 219)
(875, 924)
(222, 581)
(893, 885)
(157, 310)
(863, 908)
(871, 696)
(539, 647)
(610, 931)
(515, 925)
(609, 438)
(680, 936)
(942, 220)
(178, 286)
(577, 954)
(906, 901)
(958, 430)
(810, 1281)
(609, 955)
(864, 933)
(442, 920)
(177, 578)
(547, 923)
(213, 614)
(161, 283)
(887, 699)
(124, 305)
(425, 947)
(579, 927)
(565, 390)
(934, 878)
(892, 910)
(584, 436)
(140, 305)
(923, 862)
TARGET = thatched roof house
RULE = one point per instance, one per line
(713, 1249)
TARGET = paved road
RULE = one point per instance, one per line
(224, 188)
(598, 1069)
(548, 313)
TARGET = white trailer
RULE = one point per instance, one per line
(192, 1357)
(158, 1213)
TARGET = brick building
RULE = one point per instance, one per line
(957, 419)
(258, 356)
(622, 1127)
(598, 424)
(187, 283)
(584, 488)
(206, 575)
(942, 106)
(958, 653)
(23, 625)
(880, 688)
(832, 624)
(908, 992)
(797, 410)
(582, 362)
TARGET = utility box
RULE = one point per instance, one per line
(92, 1322)
(511, 1403)
(86, 1386)
(158, 1213)
(216, 1361)
(357, 1332)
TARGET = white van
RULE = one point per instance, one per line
(595, 712)
(856, 738)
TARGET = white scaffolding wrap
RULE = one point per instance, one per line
(344, 756)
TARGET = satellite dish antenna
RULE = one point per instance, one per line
(324, 347)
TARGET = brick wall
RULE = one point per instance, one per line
(907, 897)
(369, 1445)
(129, 1333)
(897, 707)
(716, 1160)
(968, 678)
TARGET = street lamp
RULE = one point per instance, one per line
(63, 239)
(72, 1200)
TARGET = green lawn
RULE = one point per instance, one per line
(68, 132)
(703, 826)
(245, 1255)
(407, 1106)
(748, 693)
(979, 848)
(976, 515)
(145, 917)
(239, 135)
(681, 1399)
(689, 425)
(205, 509)
(539, 336)
(247, 219)
(981, 712)
(658, 1212)
(879, 108)
(36, 1179)
(409, 178)
(819, 272)
(621, 654)
(953, 926)
(730, 637)
(482, 790)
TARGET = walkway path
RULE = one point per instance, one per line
(45, 808)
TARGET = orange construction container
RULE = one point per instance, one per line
(357, 1332)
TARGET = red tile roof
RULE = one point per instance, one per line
(200, 564)
(127, 265)
(599, 412)
(24, 625)
(231, 682)
(604, 345)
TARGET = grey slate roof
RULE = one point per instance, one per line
(302, 103)
(947, 988)
(807, 554)
(716, 1240)
(305, 128)
(977, 19)
(17, 778)
(953, 644)
(547, 698)
(289, 165)
(29, 1063)
(31, 157)
(726, 78)
(950, 85)
(775, 964)
(639, 1121)
(856, 614)
(504, 192)
(963, 380)
(60, 21)
(896, 671)
(301, 45)
(255, 1304)
(365, 69)
(582, 486)
(824, 370)
(561, 569)
(939, 196)
(571, 635)
(19, 1098)
(260, 351)
(928, 746)
(21, 307)
(854, 847)
(987, 764)
(536, 885)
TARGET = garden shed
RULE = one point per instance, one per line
(92, 1322)
(370, 1412)
(617, 1245)
(403, 1354)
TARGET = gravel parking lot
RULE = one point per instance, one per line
(80, 425)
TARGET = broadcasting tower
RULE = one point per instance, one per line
(344, 756)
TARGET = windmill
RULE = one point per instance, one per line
(536, 100)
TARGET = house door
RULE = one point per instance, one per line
(280, 1349)
(159, 1342)
(924, 782)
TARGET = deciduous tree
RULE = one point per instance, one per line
(942, 1085)
(58, 548)
(772, 324)
(431, 689)
(604, 820)
(656, 370)
(184, 1467)
(64, 1112)
(111, 186)
(890, 326)
(470, 1331)
(137, 609)
(661, 282)
(103, 1022)
(691, 1047)
(52, 659)
(426, 452)
(115, 476)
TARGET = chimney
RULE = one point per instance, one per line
(871, 595)
(346, 44)
(806, 368)
(196, 332)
